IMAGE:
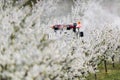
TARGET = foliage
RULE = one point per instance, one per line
(31, 50)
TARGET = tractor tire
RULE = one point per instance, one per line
(68, 28)
(56, 28)
(81, 34)
(74, 29)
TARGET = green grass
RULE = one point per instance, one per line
(112, 74)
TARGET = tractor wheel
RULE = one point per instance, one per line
(74, 29)
(68, 28)
(81, 34)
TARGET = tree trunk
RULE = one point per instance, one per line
(95, 76)
(113, 64)
(105, 64)
(119, 59)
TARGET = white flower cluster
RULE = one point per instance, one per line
(30, 50)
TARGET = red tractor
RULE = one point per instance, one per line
(75, 27)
